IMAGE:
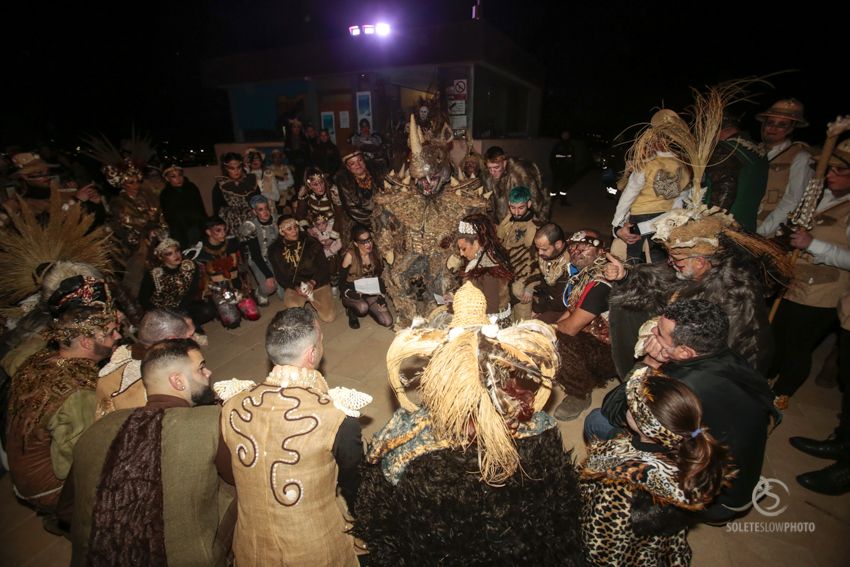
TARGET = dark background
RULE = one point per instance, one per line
(85, 67)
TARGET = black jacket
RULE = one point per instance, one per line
(737, 405)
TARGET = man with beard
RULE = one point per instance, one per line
(145, 486)
(358, 183)
(711, 259)
(555, 271)
(52, 398)
(583, 340)
(182, 207)
(504, 173)
(516, 231)
(232, 193)
(258, 234)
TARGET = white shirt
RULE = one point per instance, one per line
(824, 252)
(798, 178)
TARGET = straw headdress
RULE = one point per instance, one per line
(472, 369)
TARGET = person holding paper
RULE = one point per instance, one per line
(360, 280)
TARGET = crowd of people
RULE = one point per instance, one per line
(115, 430)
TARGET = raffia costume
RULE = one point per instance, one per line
(281, 434)
(480, 470)
(517, 236)
(415, 218)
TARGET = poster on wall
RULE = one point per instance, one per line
(343, 119)
(364, 106)
(328, 124)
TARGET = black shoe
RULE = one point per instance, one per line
(353, 320)
(831, 448)
(833, 480)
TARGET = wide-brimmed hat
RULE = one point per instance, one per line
(840, 155)
(28, 163)
(789, 108)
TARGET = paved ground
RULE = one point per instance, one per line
(356, 359)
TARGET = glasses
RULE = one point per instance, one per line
(364, 240)
(780, 125)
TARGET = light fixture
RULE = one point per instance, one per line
(369, 29)
(354, 30)
(382, 28)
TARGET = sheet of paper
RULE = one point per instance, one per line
(369, 286)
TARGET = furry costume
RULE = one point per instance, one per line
(734, 282)
(440, 514)
(415, 218)
(119, 537)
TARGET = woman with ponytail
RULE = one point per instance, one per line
(488, 265)
(640, 489)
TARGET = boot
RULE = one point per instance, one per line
(833, 480)
(572, 407)
(353, 319)
(831, 448)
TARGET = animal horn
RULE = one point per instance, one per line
(415, 141)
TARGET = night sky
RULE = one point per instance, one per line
(81, 67)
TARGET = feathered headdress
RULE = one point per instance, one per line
(30, 249)
(120, 165)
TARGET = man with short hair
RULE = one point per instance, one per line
(516, 231)
(583, 339)
(145, 485)
(119, 384)
(258, 234)
(292, 448)
(52, 398)
(504, 173)
(689, 343)
(789, 172)
(555, 272)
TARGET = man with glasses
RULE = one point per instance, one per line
(821, 278)
(182, 207)
(789, 163)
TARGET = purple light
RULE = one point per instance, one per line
(369, 29)
(382, 28)
(354, 30)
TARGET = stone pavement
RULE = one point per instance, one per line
(357, 359)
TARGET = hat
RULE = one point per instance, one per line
(164, 245)
(790, 108)
(80, 291)
(664, 116)
(519, 195)
(258, 199)
(353, 154)
(694, 231)
(29, 163)
(117, 175)
(840, 155)
(171, 167)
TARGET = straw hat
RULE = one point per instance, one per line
(790, 108)
(840, 155)
(470, 307)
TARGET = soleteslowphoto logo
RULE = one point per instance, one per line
(767, 500)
